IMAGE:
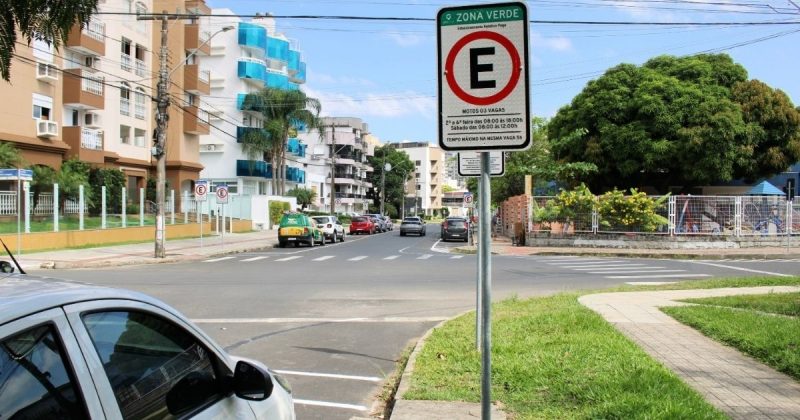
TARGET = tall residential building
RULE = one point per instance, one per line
(242, 61)
(89, 100)
(348, 164)
(429, 173)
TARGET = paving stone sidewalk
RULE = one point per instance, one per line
(738, 385)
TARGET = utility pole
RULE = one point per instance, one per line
(159, 152)
(333, 168)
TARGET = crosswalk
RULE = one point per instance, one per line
(284, 258)
(620, 269)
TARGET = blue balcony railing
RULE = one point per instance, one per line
(252, 69)
(253, 36)
(295, 147)
(277, 49)
(254, 168)
(277, 80)
(242, 132)
(295, 175)
(300, 75)
(293, 64)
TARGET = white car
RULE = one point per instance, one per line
(331, 227)
(75, 351)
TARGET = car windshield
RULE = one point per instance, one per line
(322, 219)
(410, 220)
(456, 223)
(359, 219)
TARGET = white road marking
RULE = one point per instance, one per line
(327, 257)
(330, 404)
(743, 269)
(290, 258)
(658, 276)
(330, 375)
(634, 271)
(359, 258)
(392, 257)
(609, 266)
(424, 256)
(569, 264)
(456, 257)
(397, 320)
(255, 258)
(648, 283)
(219, 259)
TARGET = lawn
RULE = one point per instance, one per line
(775, 303)
(66, 223)
(554, 358)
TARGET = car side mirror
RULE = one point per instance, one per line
(6, 267)
(251, 382)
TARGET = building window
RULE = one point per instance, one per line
(140, 110)
(125, 99)
(126, 62)
(124, 134)
(139, 137)
(40, 112)
(416, 162)
(42, 107)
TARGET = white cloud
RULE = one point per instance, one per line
(327, 79)
(557, 43)
(375, 104)
(404, 40)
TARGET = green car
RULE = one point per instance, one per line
(298, 228)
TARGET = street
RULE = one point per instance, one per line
(334, 319)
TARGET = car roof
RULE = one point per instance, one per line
(24, 294)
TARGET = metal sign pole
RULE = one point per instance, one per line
(486, 288)
(478, 283)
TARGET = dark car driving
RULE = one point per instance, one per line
(455, 228)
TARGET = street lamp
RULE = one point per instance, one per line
(386, 167)
(162, 99)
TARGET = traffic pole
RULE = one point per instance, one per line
(484, 251)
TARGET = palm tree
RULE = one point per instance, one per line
(305, 197)
(10, 157)
(49, 21)
(283, 110)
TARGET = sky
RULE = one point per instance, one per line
(386, 72)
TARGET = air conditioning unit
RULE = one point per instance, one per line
(45, 128)
(46, 72)
(92, 120)
(92, 62)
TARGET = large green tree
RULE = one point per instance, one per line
(282, 110)
(395, 181)
(47, 20)
(677, 121)
(305, 197)
(10, 157)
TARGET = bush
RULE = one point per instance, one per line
(636, 211)
(132, 209)
(114, 181)
(276, 210)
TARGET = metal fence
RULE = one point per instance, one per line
(738, 216)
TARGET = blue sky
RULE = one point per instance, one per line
(385, 72)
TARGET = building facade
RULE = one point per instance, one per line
(241, 61)
(429, 175)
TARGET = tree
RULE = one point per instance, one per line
(395, 180)
(46, 20)
(72, 175)
(10, 157)
(305, 197)
(114, 180)
(43, 179)
(677, 121)
(283, 110)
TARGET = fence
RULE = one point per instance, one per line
(738, 216)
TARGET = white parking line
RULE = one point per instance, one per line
(255, 258)
(330, 404)
(327, 257)
(330, 375)
(219, 259)
(634, 271)
(743, 269)
(565, 264)
(658, 276)
(294, 257)
(424, 256)
(456, 257)
(391, 257)
(601, 266)
(358, 258)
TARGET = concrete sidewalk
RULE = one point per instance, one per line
(738, 385)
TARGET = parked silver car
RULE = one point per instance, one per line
(76, 351)
(387, 221)
(380, 223)
(413, 225)
(331, 227)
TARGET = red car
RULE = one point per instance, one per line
(362, 224)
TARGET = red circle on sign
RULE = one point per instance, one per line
(200, 189)
(222, 192)
(516, 69)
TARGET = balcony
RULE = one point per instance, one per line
(253, 69)
(90, 40)
(277, 79)
(193, 83)
(254, 168)
(295, 175)
(197, 7)
(296, 148)
(253, 37)
(85, 144)
(193, 39)
(83, 90)
(277, 49)
(300, 75)
(243, 132)
(195, 120)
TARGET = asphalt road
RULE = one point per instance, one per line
(335, 318)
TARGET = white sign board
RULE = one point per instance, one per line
(469, 164)
(483, 77)
(200, 190)
(222, 194)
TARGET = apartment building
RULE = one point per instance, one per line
(347, 165)
(88, 100)
(243, 60)
(429, 174)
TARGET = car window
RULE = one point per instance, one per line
(359, 219)
(34, 380)
(156, 368)
(456, 223)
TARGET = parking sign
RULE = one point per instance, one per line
(222, 194)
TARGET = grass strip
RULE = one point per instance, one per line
(553, 358)
(773, 303)
(771, 339)
(714, 283)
